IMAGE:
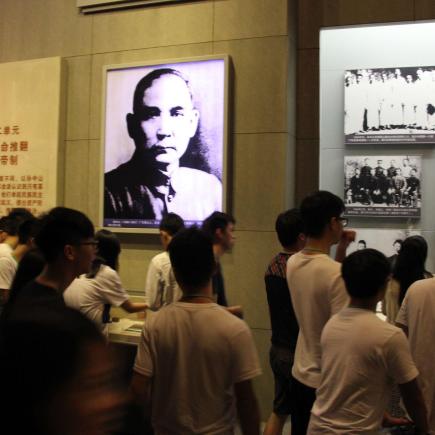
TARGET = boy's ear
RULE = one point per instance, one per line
(69, 252)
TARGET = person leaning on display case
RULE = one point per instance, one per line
(168, 171)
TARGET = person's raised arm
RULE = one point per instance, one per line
(347, 237)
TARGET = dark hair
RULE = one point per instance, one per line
(3, 221)
(62, 226)
(362, 241)
(399, 241)
(27, 230)
(196, 154)
(192, 258)
(365, 272)
(29, 267)
(20, 214)
(171, 223)
(317, 209)
(108, 252)
(410, 263)
(217, 220)
(55, 342)
(14, 219)
(289, 226)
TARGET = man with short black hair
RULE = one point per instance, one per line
(161, 287)
(290, 231)
(66, 240)
(362, 356)
(317, 291)
(196, 353)
(219, 227)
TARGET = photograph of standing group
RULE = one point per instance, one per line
(393, 105)
(387, 186)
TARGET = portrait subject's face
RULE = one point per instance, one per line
(168, 120)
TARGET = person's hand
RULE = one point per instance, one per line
(237, 310)
(347, 237)
(389, 421)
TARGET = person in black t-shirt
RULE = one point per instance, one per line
(219, 227)
(66, 241)
(290, 230)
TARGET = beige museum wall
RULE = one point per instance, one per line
(255, 34)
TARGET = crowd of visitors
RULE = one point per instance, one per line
(336, 362)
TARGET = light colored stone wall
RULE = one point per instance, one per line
(255, 34)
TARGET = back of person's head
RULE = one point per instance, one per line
(60, 227)
(3, 221)
(44, 365)
(289, 226)
(171, 223)
(14, 219)
(108, 248)
(217, 220)
(20, 214)
(365, 273)
(192, 258)
(317, 210)
(410, 264)
(29, 267)
(27, 230)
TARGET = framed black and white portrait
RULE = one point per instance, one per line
(383, 186)
(164, 142)
(389, 105)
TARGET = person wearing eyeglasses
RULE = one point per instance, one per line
(317, 291)
(66, 241)
(95, 292)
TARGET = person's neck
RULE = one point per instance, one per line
(318, 246)
(218, 251)
(363, 304)
(292, 249)
(57, 276)
(201, 295)
(11, 241)
(19, 252)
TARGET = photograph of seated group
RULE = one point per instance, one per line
(164, 142)
(384, 186)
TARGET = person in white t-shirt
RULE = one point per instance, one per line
(9, 229)
(195, 360)
(362, 358)
(417, 318)
(161, 288)
(317, 291)
(9, 262)
(94, 293)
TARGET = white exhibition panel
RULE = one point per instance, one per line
(30, 134)
(374, 46)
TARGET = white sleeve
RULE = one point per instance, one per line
(153, 286)
(111, 287)
(401, 366)
(245, 357)
(338, 297)
(7, 273)
(143, 363)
